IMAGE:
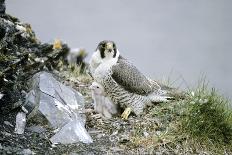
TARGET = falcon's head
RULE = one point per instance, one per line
(107, 49)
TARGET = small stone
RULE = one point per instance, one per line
(8, 123)
(116, 149)
(158, 153)
(54, 145)
(1, 95)
(20, 122)
(6, 133)
(158, 133)
(124, 139)
(27, 152)
(145, 133)
(115, 133)
(99, 136)
(95, 131)
(73, 153)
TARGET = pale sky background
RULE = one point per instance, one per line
(163, 38)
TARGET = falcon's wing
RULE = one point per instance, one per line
(128, 76)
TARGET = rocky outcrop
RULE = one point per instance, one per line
(51, 103)
(21, 56)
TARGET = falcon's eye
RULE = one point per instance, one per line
(97, 87)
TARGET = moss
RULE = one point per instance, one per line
(6, 58)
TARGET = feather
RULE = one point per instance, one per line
(129, 77)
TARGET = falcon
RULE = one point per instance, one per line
(123, 83)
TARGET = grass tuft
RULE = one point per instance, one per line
(201, 123)
(79, 73)
(208, 116)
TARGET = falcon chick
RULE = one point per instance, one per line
(123, 83)
(102, 104)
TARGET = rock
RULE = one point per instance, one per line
(21, 56)
(72, 132)
(158, 133)
(27, 152)
(99, 136)
(6, 133)
(2, 7)
(116, 149)
(124, 138)
(20, 122)
(61, 106)
(55, 101)
(36, 128)
(8, 123)
(1, 95)
(146, 134)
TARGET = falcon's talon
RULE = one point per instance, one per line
(126, 113)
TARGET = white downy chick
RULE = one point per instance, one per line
(102, 104)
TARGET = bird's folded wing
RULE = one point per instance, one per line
(128, 76)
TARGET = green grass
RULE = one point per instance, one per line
(207, 118)
(199, 124)
(205, 122)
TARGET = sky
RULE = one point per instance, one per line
(171, 40)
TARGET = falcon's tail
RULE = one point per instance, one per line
(164, 91)
(154, 97)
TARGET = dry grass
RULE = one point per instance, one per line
(77, 73)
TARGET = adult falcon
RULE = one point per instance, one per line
(124, 84)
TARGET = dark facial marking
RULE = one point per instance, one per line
(102, 52)
(101, 48)
(115, 50)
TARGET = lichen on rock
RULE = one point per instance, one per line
(21, 56)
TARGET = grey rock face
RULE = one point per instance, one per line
(61, 106)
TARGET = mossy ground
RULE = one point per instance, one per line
(199, 124)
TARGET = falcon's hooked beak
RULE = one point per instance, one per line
(109, 46)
